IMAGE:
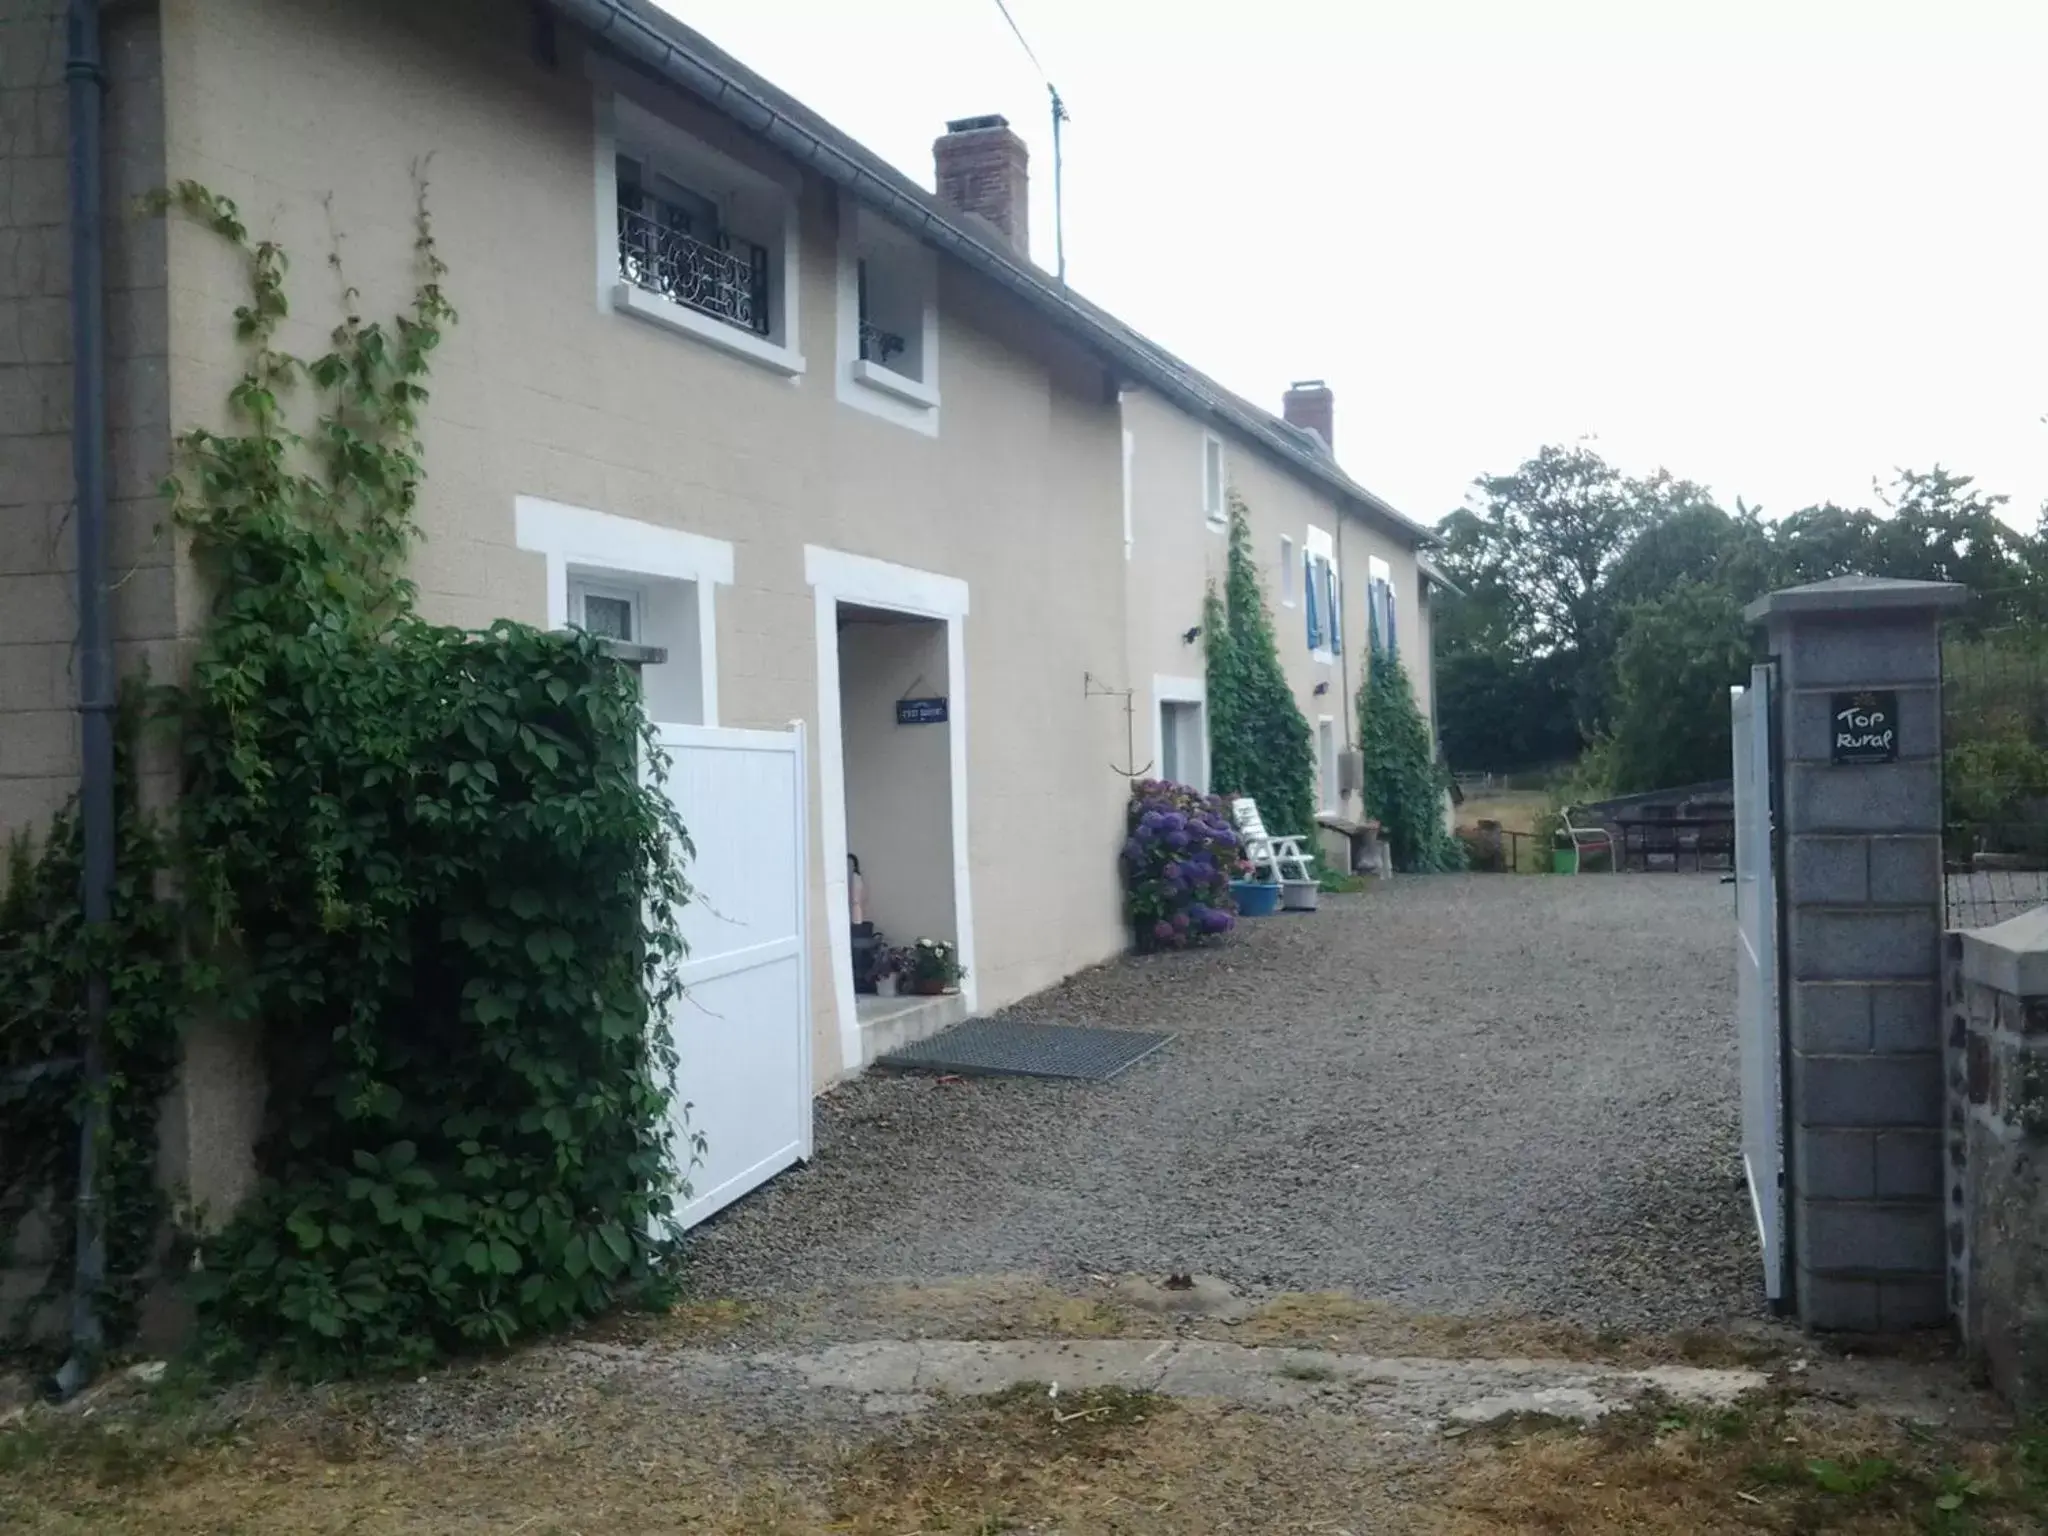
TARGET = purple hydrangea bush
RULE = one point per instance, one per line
(1180, 854)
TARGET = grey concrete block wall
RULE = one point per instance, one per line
(38, 688)
(1859, 847)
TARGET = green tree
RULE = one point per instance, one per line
(1678, 656)
(1259, 741)
(1404, 785)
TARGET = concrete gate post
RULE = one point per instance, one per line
(1859, 851)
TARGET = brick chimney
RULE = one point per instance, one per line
(1309, 403)
(983, 168)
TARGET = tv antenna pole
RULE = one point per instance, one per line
(1059, 116)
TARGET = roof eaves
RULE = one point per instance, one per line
(685, 58)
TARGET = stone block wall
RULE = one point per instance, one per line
(1996, 1010)
(38, 565)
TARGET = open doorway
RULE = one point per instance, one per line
(896, 755)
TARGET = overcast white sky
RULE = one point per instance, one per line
(1777, 247)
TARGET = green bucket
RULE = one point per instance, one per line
(1564, 861)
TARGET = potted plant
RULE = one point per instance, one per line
(889, 967)
(932, 967)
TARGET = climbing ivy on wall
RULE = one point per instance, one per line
(46, 954)
(1259, 741)
(438, 868)
(450, 891)
(1403, 782)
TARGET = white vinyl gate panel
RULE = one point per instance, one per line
(1759, 1026)
(742, 1028)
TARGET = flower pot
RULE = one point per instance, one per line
(1255, 898)
(885, 986)
(931, 989)
(1299, 895)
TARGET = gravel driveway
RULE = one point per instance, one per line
(1460, 1094)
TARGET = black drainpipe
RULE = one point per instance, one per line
(85, 80)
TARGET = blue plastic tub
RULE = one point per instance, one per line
(1256, 898)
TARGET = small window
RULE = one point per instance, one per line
(1180, 743)
(1326, 762)
(1130, 525)
(1212, 481)
(613, 612)
(1321, 598)
(1286, 571)
(1381, 619)
(890, 308)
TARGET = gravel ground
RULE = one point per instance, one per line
(1464, 1094)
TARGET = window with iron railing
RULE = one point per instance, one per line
(672, 243)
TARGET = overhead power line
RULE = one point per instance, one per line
(1059, 116)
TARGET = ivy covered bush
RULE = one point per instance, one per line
(1259, 740)
(1404, 785)
(443, 873)
(1180, 854)
(46, 954)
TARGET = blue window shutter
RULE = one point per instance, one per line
(1308, 593)
(1336, 608)
(1392, 645)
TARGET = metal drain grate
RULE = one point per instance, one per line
(1013, 1048)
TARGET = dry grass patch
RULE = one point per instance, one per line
(1782, 1465)
(1331, 1320)
(1102, 1460)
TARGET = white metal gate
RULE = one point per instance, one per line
(742, 1028)
(1758, 1022)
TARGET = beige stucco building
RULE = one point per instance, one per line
(723, 383)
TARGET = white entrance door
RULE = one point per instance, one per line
(1759, 1025)
(742, 1028)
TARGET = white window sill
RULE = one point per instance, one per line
(889, 382)
(630, 299)
(1217, 523)
(1326, 658)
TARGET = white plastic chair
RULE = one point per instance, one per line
(1586, 837)
(1263, 849)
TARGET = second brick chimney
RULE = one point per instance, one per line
(1309, 403)
(983, 168)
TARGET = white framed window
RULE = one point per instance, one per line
(1321, 597)
(605, 609)
(693, 241)
(888, 321)
(1326, 762)
(1180, 718)
(1213, 508)
(1286, 571)
(1130, 520)
(636, 581)
(1380, 606)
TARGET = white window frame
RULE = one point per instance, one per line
(1318, 547)
(625, 126)
(870, 386)
(1288, 575)
(582, 588)
(1130, 509)
(599, 548)
(1168, 689)
(1327, 792)
(1215, 490)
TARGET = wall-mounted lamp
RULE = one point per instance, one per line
(1323, 687)
(1188, 637)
